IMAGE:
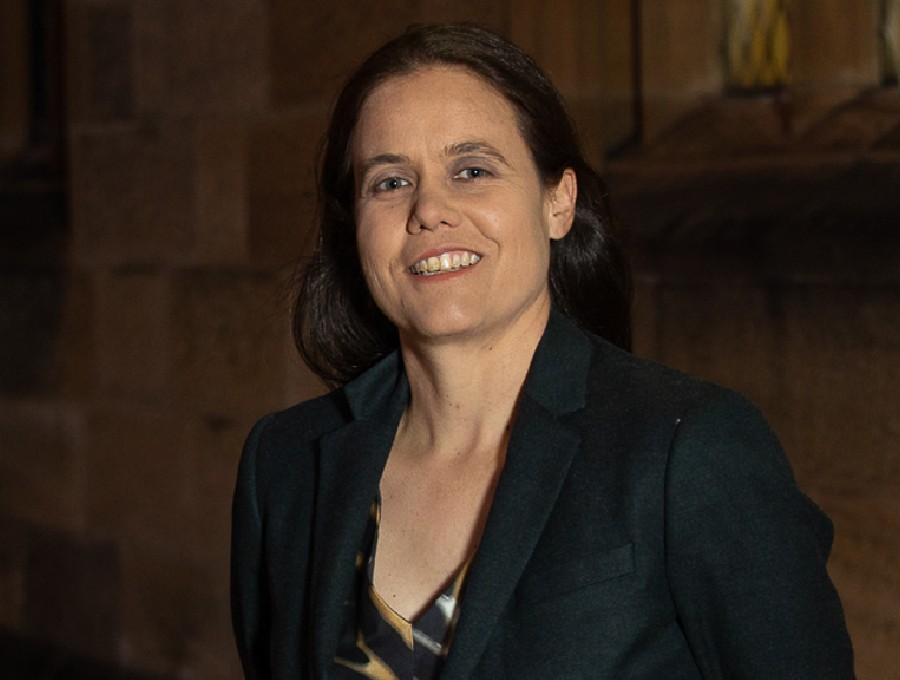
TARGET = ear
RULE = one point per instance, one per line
(561, 204)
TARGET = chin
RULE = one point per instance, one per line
(444, 324)
(437, 332)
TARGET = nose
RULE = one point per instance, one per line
(433, 208)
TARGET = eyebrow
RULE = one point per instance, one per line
(464, 148)
(459, 149)
(381, 159)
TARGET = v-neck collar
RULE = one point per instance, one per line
(540, 451)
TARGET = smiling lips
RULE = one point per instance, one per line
(445, 262)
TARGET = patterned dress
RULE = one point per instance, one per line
(376, 642)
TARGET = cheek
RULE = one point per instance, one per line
(523, 231)
(375, 255)
(367, 261)
(381, 231)
(366, 236)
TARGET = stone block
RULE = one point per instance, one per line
(14, 79)
(494, 15)
(34, 217)
(842, 377)
(139, 486)
(132, 334)
(46, 342)
(299, 383)
(550, 37)
(133, 194)
(222, 206)
(865, 568)
(678, 73)
(100, 76)
(25, 659)
(611, 46)
(677, 64)
(584, 46)
(602, 123)
(31, 310)
(175, 616)
(149, 57)
(72, 593)
(281, 186)
(729, 334)
(282, 154)
(314, 46)
(201, 56)
(845, 231)
(213, 476)
(41, 467)
(849, 30)
(281, 229)
(227, 338)
(76, 348)
(12, 572)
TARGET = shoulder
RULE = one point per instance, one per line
(710, 431)
(743, 548)
(305, 421)
(712, 447)
(644, 392)
(574, 369)
(703, 446)
(608, 392)
(281, 443)
(379, 387)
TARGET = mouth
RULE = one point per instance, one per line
(450, 261)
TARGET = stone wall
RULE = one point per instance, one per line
(146, 330)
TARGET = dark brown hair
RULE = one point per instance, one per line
(338, 329)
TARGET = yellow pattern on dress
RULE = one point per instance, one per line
(374, 668)
(397, 622)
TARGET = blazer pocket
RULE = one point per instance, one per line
(575, 574)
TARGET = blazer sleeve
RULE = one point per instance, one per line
(746, 552)
(249, 599)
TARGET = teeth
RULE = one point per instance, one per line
(444, 263)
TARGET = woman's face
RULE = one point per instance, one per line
(453, 221)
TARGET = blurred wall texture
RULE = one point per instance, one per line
(157, 183)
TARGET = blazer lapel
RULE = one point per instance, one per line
(350, 465)
(540, 452)
(525, 495)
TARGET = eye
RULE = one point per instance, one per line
(472, 173)
(390, 184)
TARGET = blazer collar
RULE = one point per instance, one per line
(350, 465)
(540, 451)
(556, 379)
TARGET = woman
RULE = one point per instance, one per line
(498, 489)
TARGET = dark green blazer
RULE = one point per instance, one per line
(645, 525)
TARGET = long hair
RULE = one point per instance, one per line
(338, 329)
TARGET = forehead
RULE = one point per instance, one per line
(433, 102)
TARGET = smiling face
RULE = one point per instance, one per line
(453, 221)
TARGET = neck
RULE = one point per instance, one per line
(464, 393)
